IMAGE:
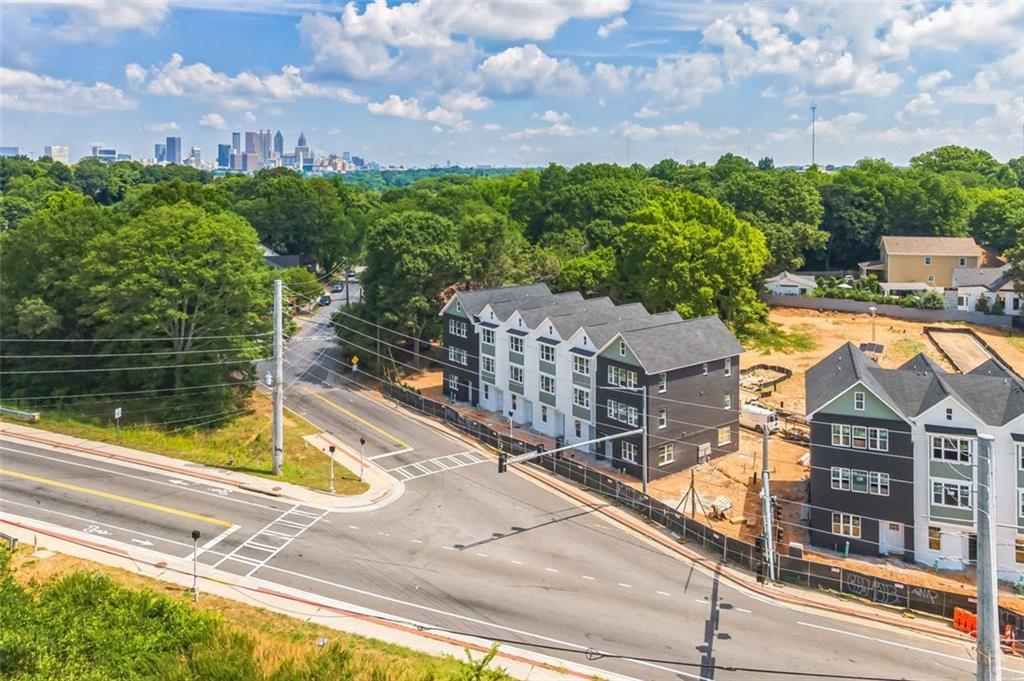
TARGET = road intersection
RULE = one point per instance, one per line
(464, 550)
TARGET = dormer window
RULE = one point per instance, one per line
(458, 306)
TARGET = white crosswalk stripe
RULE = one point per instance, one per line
(439, 464)
(273, 537)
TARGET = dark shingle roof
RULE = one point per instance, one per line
(992, 278)
(990, 391)
(474, 301)
(683, 343)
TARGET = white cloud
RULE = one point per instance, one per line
(214, 121)
(200, 81)
(642, 133)
(958, 25)
(645, 112)
(612, 79)
(839, 127)
(28, 91)
(931, 81)
(635, 132)
(397, 107)
(464, 101)
(921, 105)
(605, 30)
(551, 116)
(683, 81)
(407, 40)
(249, 117)
(527, 70)
(560, 126)
(83, 21)
(169, 126)
(491, 127)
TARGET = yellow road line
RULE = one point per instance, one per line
(116, 497)
(360, 419)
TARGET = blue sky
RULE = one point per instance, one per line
(518, 82)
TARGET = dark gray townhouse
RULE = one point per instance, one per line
(580, 369)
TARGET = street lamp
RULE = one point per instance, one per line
(331, 448)
(362, 461)
(873, 310)
(195, 563)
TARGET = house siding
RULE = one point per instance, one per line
(468, 375)
(911, 268)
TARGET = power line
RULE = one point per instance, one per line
(136, 354)
(132, 392)
(124, 340)
(165, 366)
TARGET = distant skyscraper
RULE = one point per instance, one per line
(252, 142)
(174, 150)
(224, 155)
(197, 155)
(279, 144)
(266, 144)
(302, 151)
(104, 154)
(251, 162)
(58, 153)
(346, 156)
(237, 160)
(124, 157)
(160, 152)
(9, 151)
(302, 139)
(236, 141)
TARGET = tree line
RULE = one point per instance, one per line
(173, 255)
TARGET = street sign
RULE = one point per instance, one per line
(117, 413)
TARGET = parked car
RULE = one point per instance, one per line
(350, 274)
(337, 288)
(759, 418)
(325, 299)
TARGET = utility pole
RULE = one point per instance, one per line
(766, 509)
(814, 119)
(989, 668)
(277, 456)
(644, 446)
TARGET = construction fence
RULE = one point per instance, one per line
(791, 570)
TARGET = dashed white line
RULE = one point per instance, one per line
(482, 555)
(517, 562)
(417, 541)
(448, 548)
(625, 586)
(587, 577)
(665, 593)
(353, 527)
(743, 610)
(551, 569)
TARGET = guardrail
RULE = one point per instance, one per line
(29, 416)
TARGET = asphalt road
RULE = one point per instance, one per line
(469, 550)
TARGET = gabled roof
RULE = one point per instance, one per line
(930, 245)
(674, 344)
(990, 391)
(992, 278)
(787, 279)
(474, 301)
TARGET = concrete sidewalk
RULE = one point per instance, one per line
(382, 488)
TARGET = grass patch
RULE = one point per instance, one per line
(65, 618)
(242, 444)
(769, 338)
(907, 347)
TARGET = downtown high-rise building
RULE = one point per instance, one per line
(266, 144)
(252, 143)
(174, 150)
(302, 150)
(236, 141)
(160, 152)
(105, 154)
(224, 155)
(196, 156)
(279, 144)
(58, 153)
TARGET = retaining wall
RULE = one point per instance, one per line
(897, 311)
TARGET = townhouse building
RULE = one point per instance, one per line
(893, 469)
(578, 369)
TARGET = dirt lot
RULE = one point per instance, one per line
(962, 348)
(902, 340)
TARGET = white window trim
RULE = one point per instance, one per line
(628, 451)
(846, 520)
(862, 398)
(487, 336)
(513, 341)
(859, 473)
(622, 348)
(727, 399)
(1019, 448)
(953, 483)
(512, 372)
(839, 432)
(1020, 503)
(579, 361)
(544, 349)
(878, 436)
(839, 477)
(727, 431)
(727, 366)
(704, 369)
(578, 391)
(663, 418)
(970, 449)
(927, 260)
(662, 382)
(485, 362)
(662, 461)
(541, 382)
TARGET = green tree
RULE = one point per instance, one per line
(926, 204)
(688, 253)
(194, 279)
(854, 217)
(998, 218)
(412, 257)
(592, 273)
(302, 283)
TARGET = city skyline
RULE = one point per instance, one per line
(419, 84)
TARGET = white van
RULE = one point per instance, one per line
(759, 418)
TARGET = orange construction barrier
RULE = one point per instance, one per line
(965, 620)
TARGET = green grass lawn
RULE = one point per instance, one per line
(242, 444)
(67, 619)
(768, 338)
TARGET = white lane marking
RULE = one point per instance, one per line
(213, 542)
(888, 643)
(445, 462)
(448, 548)
(737, 609)
(417, 541)
(482, 555)
(625, 586)
(152, 481)
(274, 533)
(587, 577)
(472, 620)
(385, 454)
(288, 523)
(517, 562)
(665, 593)
(142, 542)
(261, 547)
(353, 527)
(551, 569)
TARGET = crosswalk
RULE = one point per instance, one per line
(438, 464)
(274, 537)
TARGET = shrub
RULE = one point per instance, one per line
(982, 305)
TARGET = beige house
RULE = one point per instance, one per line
(916, 263)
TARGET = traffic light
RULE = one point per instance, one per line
(779, 533)
(759, 553)
(502, 462)
(776, 510)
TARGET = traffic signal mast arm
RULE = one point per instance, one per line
(504, 460)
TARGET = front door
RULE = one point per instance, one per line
(890, 539)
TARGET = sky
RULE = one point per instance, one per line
(522, 82)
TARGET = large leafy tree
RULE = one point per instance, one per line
(691, 254)
(854, 218)
(192, 279)
(411, 258)
(998, 218)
